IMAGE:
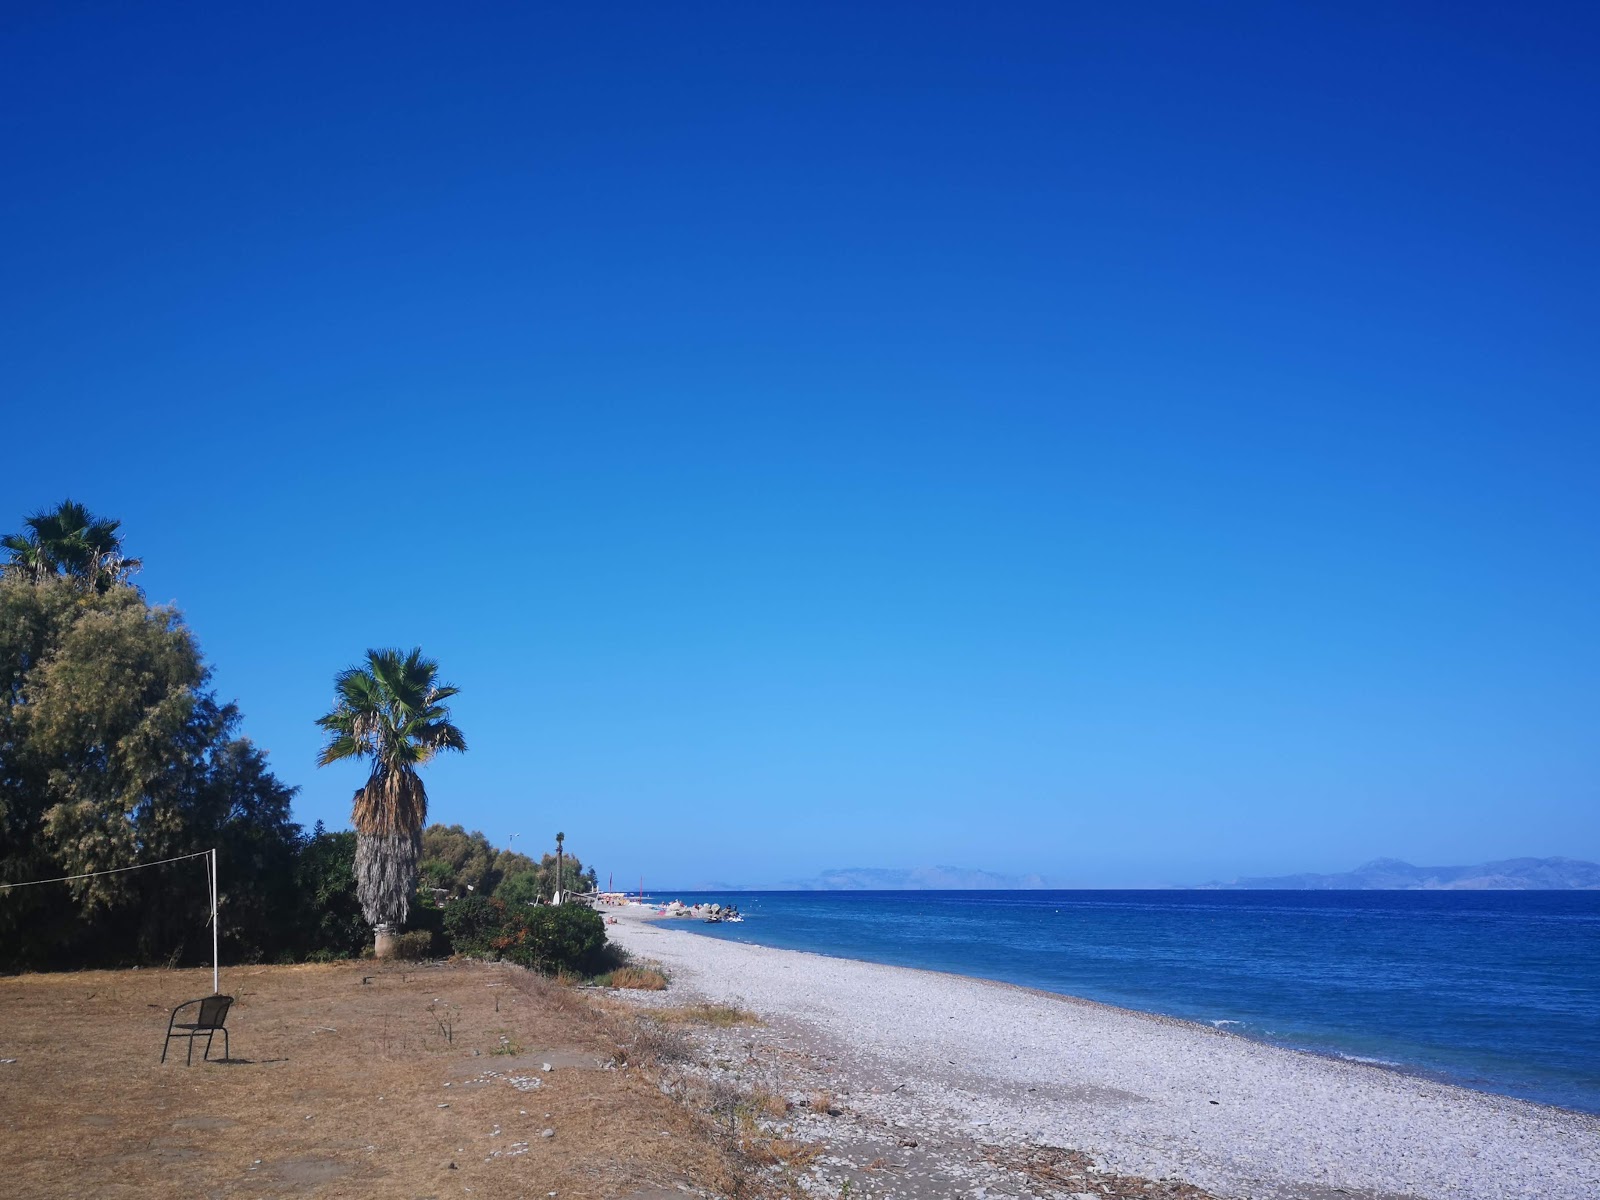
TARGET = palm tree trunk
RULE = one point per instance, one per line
(386, 871)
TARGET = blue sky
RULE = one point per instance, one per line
(1128, 443)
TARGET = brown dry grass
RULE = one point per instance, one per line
(337, 1088)
(1071, 1172)
(643, 979)
(720, 1016)
(769, 1104)
(788, 1152)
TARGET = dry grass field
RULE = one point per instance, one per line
(345, 1080)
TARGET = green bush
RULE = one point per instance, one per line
(414, 946)
(472, 923)
(427, 916)
(569, 938)
(329, 918)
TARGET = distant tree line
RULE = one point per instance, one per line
(115, 751)
(461, 864)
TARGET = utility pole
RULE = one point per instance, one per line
(560, 858)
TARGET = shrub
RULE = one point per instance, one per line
(657, 1045)
(569, 938)
(426, 915)
(330, 922)
(471, 924)
(551, 939)
(414, 946)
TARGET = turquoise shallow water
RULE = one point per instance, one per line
(1498, 991)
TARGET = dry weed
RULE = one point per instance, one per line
(643, 979)
(786, 1152)
(769, 1104)
(725, 1100)
(720, 1016)
(1072, 1171)
(643, 1042)
(549, 993)
(822, 1102)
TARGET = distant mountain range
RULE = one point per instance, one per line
(1511, 874)
(917, 879)
(1390, 874)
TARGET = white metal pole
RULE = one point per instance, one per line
(216, 962)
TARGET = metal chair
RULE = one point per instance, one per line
(207, 1024)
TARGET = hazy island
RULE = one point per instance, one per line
(1392, 874)
(1381, 874)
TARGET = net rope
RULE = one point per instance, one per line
(112, 871)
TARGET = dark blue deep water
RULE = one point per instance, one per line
(1493, 990)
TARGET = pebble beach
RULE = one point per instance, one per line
(963, 1062)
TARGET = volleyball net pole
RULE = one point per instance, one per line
(216, 954)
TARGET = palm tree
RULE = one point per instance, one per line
(392, 711)
(72, 541)
(28, 559)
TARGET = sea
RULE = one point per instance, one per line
(1497, 991)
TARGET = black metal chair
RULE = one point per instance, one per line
(208, 1022)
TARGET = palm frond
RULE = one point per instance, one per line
(70, 539)
(338, 749)
(442, 735)
(393, 802)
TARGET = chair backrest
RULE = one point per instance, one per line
(214, 1010)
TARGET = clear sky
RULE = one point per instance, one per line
(1131, 443)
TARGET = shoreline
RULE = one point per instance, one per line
(1142, 1093)
(1404, 1070)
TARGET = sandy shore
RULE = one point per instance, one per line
(1144, 1095)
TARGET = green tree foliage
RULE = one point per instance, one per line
(574, 876)
(69, 541)
(332, 925)
(570, 938)
(523, 881)
(520, 888)
(462, 863)
(390, 711)
(115, 751)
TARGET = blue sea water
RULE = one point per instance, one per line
(1498, 991)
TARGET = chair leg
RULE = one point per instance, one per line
(188, 1060)
(164, 1046)
(227, 1050)
(205, 1055)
